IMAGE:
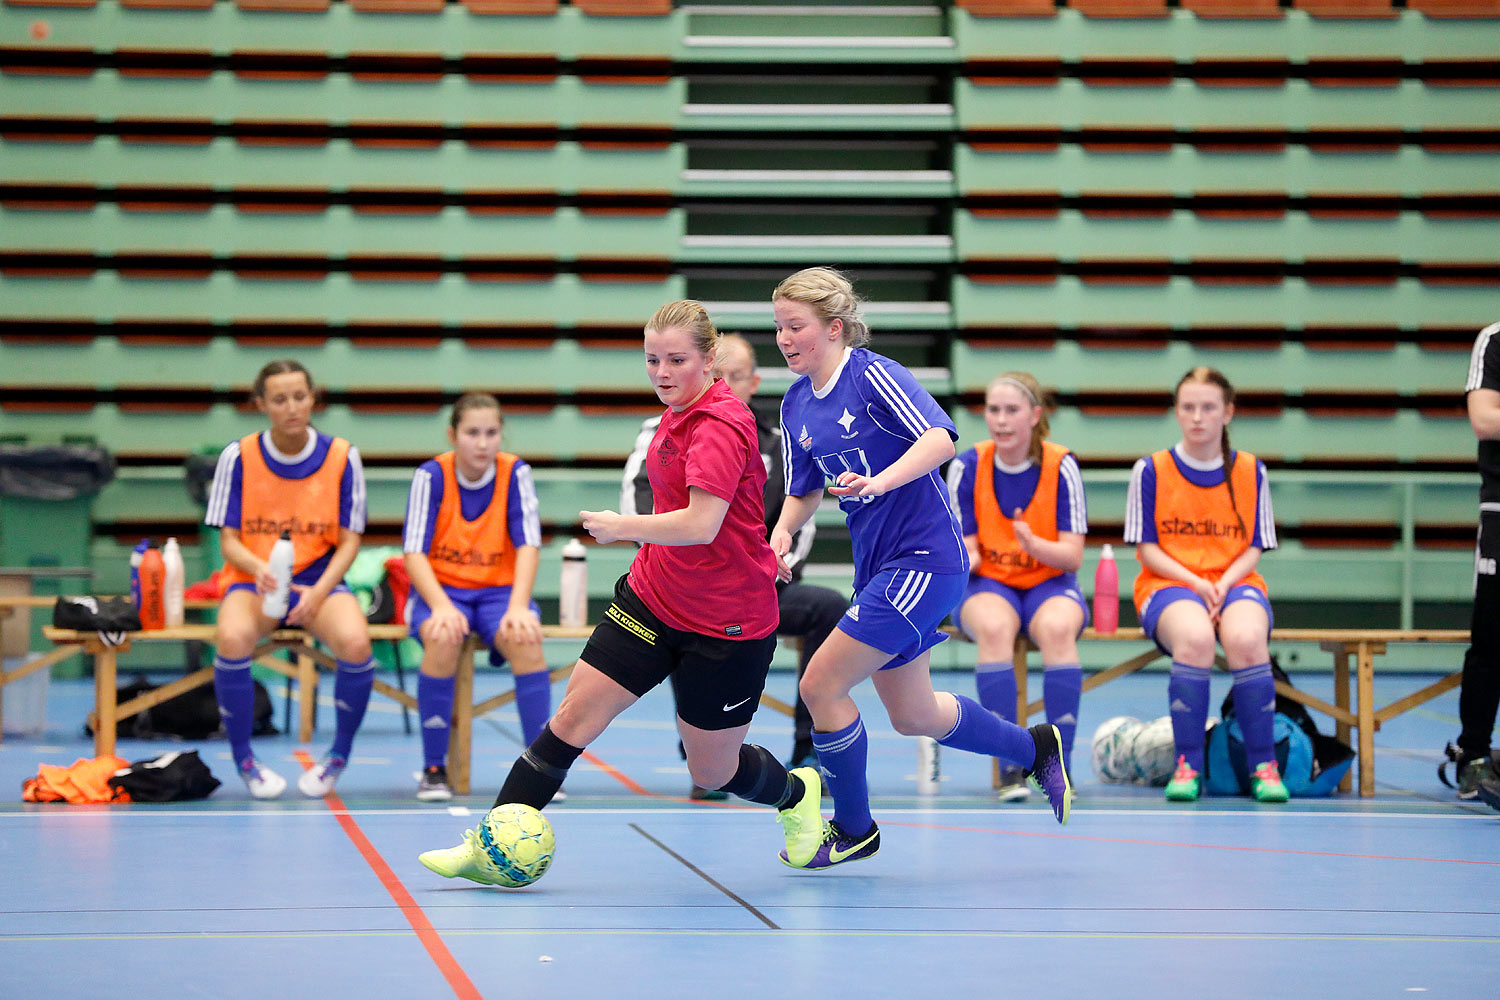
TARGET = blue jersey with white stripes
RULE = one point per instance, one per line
(522, 516)
(1014, 490)
(1140, 498)
(224, 496)
(863, 420)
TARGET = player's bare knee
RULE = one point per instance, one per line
(235, 642)
(917, 720)
(1052, 634)
(1244, 647)
(351, 648)
(711, 775)
(1000, 639)
(1196, 649)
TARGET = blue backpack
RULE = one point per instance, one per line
(1227, 771)
(1311, 764)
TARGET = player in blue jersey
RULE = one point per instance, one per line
(289, 478)
(471, 545)
(861, 421)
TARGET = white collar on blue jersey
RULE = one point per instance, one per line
(1011, 470)
(1180, 450)
(301, 456)
(834, 379)
(474, 484)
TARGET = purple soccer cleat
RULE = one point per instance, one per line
(838, 847)
(1049, 772)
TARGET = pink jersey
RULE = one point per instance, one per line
(726, 588)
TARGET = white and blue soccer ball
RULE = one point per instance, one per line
(1113, 753)
(1153, 752)
(515, 844)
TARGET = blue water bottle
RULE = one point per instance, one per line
(135, 571)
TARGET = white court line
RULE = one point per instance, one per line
(1009, 816)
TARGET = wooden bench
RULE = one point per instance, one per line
(1353, 651)
(303, 671)
(1360, 645)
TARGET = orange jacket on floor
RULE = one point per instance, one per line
(84, 782)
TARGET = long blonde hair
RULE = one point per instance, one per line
(831, 296)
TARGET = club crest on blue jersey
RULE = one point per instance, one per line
(846, 422)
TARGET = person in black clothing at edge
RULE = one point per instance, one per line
(1477, 772)
(808, 611)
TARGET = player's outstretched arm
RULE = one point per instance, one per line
(696, 524)
(926, 453)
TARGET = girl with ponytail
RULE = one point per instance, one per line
(1200, 515)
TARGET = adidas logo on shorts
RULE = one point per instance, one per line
(853, 612)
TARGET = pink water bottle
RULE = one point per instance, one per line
(1106, 593)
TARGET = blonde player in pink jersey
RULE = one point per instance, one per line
(699, 600)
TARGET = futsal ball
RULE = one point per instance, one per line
(515, 844)
(1112, 749)
(1153, 752)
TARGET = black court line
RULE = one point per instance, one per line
(706, 877)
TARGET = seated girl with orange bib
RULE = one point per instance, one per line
(1200, 515)
(472, 544)
(1022, 510)
(292, 479)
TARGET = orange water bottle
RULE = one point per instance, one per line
(153, 590)
(1106, 593)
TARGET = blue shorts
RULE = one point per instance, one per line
(306, 578)
(1163, 598)
(482, 606)
(1025, 601)
(899, 611)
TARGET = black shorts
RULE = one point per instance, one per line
(719, 680)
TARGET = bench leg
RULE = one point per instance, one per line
(460, 737)
(1366, 696)
(104, 701)
(307, 697)
(1018, 660)
(1341, 699)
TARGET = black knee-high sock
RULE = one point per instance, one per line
(762, 778)
(539, 772)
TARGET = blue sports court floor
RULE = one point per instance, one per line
(654, 896)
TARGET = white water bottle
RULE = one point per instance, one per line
(573, 586)
(275, 603)
(173, 583)
(929, 766)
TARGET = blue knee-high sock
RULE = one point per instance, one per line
(435, 709)
(235, 689)
(996, 684)
(1255, 707)
(533, 702)
(842, 757)
(351, 693)
(1062, 686)
(980, 731)
(1188, 693)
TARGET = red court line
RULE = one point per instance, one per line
(1205, 847)
(414, 914)
(638, 789)
(619, 776)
